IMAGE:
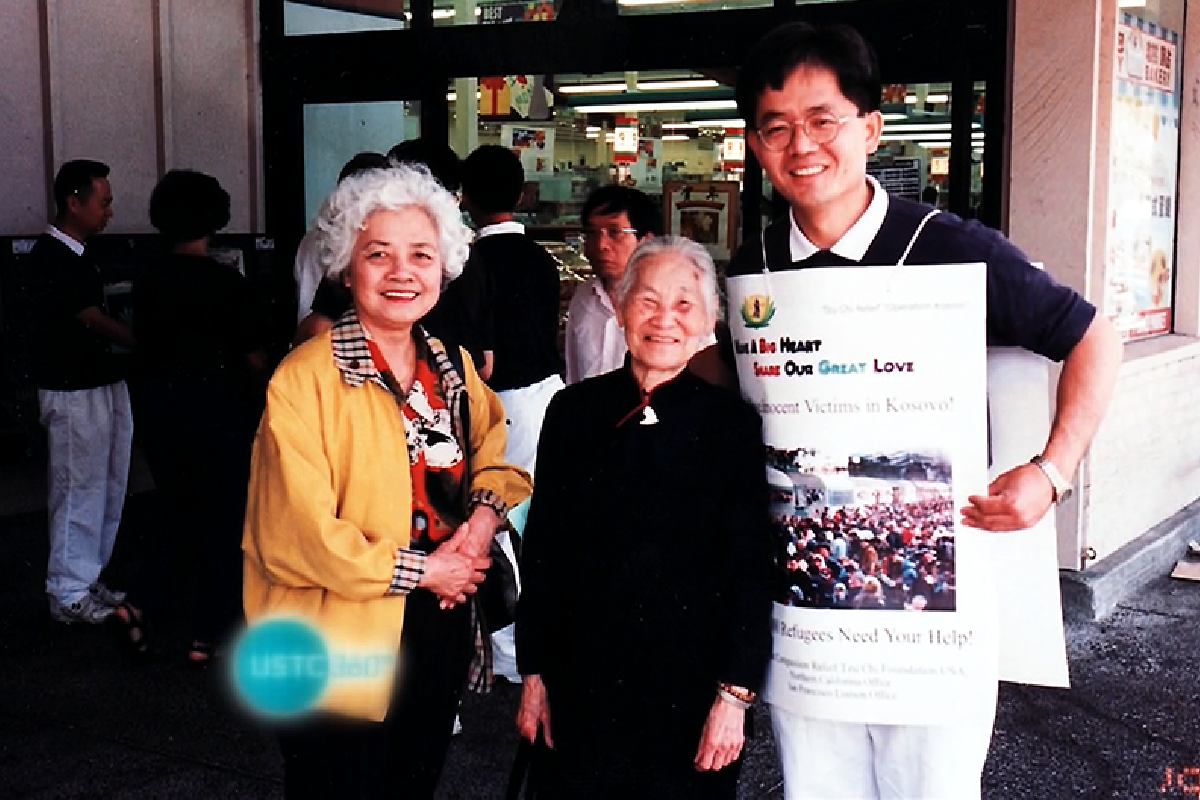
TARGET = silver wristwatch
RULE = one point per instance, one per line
(1062, 487)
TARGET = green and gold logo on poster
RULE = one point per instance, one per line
(757, 310)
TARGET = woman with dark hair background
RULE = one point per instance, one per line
(197, 400)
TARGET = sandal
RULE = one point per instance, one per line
(201, 653)
(133, 631)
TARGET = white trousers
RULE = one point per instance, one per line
(525, 408)
(825, 760)
(90, 432)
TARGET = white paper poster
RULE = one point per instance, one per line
(534, 146)
(647, 172)
(872, 387)
(1032, 644)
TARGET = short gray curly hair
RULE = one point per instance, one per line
(345, 211)
(686, 249)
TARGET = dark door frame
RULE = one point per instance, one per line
(961, 41)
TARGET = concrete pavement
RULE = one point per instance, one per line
(80, 720)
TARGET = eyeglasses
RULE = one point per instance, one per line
(612, 232)
(820, 128)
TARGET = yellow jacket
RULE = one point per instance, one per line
(330, 503)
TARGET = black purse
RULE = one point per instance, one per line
(496, 598)
(497, 595)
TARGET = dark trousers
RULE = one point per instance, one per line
(402, 756)
(197, 442)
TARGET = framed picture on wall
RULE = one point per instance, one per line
(705, 212)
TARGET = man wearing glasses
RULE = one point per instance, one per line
(616, 219)
(811, 101)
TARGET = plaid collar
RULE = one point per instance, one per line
(353, 359)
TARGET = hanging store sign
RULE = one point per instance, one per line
(733, 148)
(625, 143)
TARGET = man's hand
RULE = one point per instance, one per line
(1015, 501)
(534, 710)
(723, 736)
(452, 575)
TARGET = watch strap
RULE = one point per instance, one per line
(1061, 486)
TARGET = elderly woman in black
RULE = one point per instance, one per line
(643, 630)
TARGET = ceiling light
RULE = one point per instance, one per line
(919, 126)
(681, 105)
(443, 13)
(595, 135)
(675, 137)
(690, 83)
(1131, 3)
(894, 117)
(592, 88)
(592, 129)
(937, 98)
(911, 99)
(721, 123)
(908, 137)
(679, 126)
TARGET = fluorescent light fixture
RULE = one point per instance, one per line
(651, 2)
(930, 145)
(908, 137)
(595, 135)
(680, 105)
(937, 98)
(443, 13)
(894, 117)
(1131, 3)
(929, 127)
(924, 139)
(642, 86)
(919, 126)
(679, 126)
(675, 137)
(910, 99)
(721, 123)
(592, 88)
(676, 85)
(453, 96)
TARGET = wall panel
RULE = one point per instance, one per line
(25, 199)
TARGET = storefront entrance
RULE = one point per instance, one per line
(635, 91)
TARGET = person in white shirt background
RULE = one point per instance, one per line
(616, 219)
(307, 270)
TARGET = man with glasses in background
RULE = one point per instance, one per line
(811, 98)
(616, 219)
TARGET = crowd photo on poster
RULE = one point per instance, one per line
(867, 530)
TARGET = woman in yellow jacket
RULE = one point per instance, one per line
(376, 487)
